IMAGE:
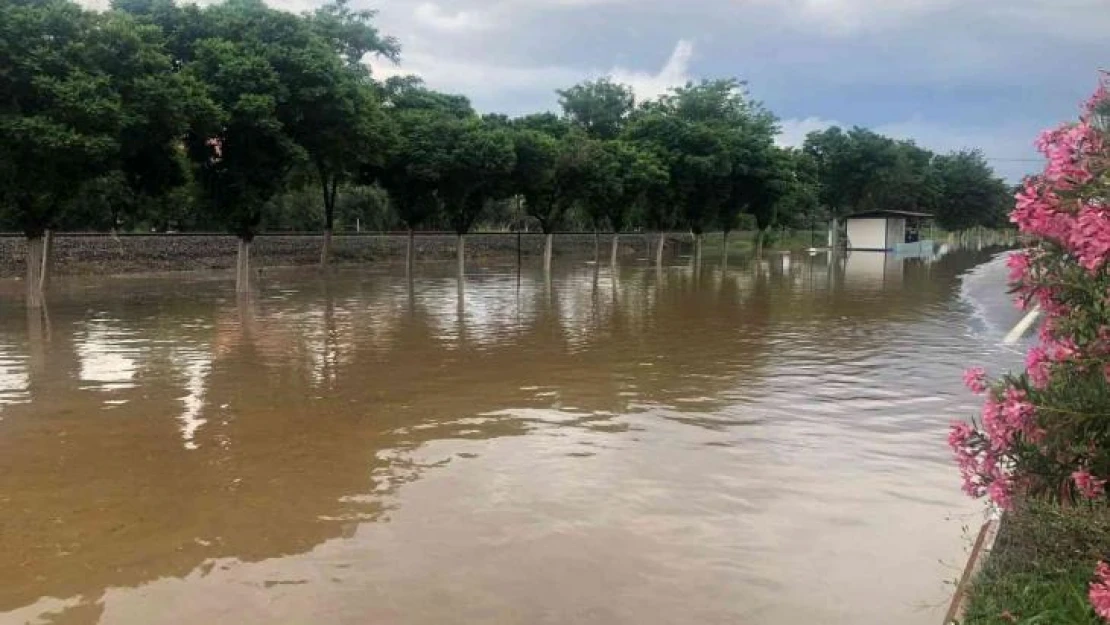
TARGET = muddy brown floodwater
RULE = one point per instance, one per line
(763, 445)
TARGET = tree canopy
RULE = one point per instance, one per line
(238, 116)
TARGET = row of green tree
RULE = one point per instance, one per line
(236, 116)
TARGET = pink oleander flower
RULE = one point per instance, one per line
(1091, 238)
(1005, 418)
(993, 425)
(1001, 493)
(963, 439)
(975, 379)
(1018, 412)
(1102, 93)
(959, 433)
(1060, 350)
(1038, 212)
(1019, 264)
(1036, 365)
(1067, 149)
(1099, 592)
(1047, 331)
(1089, 486)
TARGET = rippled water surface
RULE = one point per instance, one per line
(761, 445)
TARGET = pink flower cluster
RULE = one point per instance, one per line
(1049, 207)
(1099, 592)
(1006, 417)
(1065, 272)
(1089, 486)
(977, 467)
(975, 379)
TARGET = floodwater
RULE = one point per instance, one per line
(762, 445)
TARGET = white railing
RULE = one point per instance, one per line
(1014, 335)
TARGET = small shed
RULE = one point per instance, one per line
(884, 230)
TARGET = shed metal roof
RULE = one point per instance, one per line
(887, 213)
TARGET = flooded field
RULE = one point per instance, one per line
(757, 445)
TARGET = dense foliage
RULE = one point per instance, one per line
(156, 116)
(1046, 431)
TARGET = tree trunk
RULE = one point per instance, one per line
(724, 248)
(460, 249)
(547, 245)
(697, 250)
(597, 246)
(243, 267)
(47, 258)
(616, 247)
(410, 251)
(659, 249)
(460, 281)
(330, 185)
(36, 248)
(834, 234)
(759, 236)
(325, 249)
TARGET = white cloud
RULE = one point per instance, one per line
(435, 17)
(674, 73)
(792, 132)
(486, 79)
(470, 78)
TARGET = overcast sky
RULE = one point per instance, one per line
(947, 73)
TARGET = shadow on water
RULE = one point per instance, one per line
(163, 440)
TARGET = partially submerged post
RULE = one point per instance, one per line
(410, 251)
(548, 243)
(36, 265)
(243, 264)
(460, 251)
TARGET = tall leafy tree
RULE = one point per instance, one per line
(60, 119)
(596, 187)
(335, 115)
(551, 175)
(713, 138)
(336, 119)
(244, 152)
(409, 93)
(771, 179)
(471, 161)
(970, 194)
(535, 179)
(600, 107)
(352, 34)
(408, 172)
(547, 123)
(426, 125)
(799, 208)
(620, 178)
(698, 166)
(158, 106)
